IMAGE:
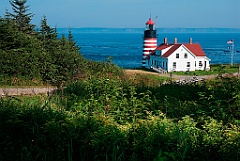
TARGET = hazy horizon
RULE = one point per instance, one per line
(140, 30)
(134, 13)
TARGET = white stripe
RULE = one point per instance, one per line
(149, 48)
(155, 41)
(145, 57)
(146, 52)
(150, 45)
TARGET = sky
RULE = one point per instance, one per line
(133, 13)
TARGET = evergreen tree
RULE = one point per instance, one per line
(48, 34)
(20, 15)
(10, 36)
(39, 55)
(46, 31)
(71, 41)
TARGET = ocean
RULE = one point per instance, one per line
(124, 47)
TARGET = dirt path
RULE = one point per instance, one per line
(130, 72)
(178, 77)
(25, 91)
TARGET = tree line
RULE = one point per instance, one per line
(31, 53)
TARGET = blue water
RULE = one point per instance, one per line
(125, 49)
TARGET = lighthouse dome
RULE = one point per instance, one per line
(150, 22)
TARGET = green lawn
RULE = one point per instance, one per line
(215, 69)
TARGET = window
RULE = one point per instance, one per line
(200, 64)
(177, 55)
(163, 64)
(174, 65)
(185, 55)
(188, 64)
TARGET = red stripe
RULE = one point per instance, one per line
(150, 42)
(153, 46)
(150, 48)
(145, 54)
(145, 44)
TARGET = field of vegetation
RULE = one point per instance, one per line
(99, 112)
(107, 116)
(216, 69)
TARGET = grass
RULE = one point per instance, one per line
(115, 121)
(8, 82)
(158, 78)
(106, 118)
(215, 69)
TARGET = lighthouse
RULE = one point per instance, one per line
(149, 41)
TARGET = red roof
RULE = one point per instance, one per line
(196, 49)
(171, 50)
(150, 22)
(163, 46)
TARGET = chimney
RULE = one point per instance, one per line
(165, 41)
(175, 40)
(190, 40)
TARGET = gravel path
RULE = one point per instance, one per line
(177, 77)
(44, 90)
(25, 91)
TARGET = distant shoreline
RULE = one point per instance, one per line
(140, 30)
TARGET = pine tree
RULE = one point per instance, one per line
(70, 36)
(71, 41)
(10, 37)
(48, 36)
(20, 15)
(46, 31)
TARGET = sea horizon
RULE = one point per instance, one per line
(140, 30)
(124, 45)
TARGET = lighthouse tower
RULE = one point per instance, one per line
(149, 41)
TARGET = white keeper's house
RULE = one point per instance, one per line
(172, 57)
(179, 57)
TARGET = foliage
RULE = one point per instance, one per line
(20, 16)
(42, 56)
(215, 70)
(48, 35)
(13, 39)
(87, 132)
(37, 55)
(102, 114)
(108, 116)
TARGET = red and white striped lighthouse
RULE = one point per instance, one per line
(149, 41)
